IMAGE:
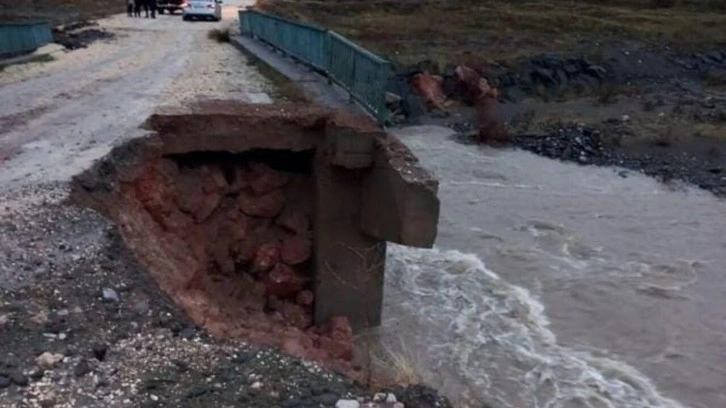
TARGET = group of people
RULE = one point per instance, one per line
(133, 8)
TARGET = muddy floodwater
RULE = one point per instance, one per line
(558, 285)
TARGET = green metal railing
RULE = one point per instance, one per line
(360, 72)
(23, 37)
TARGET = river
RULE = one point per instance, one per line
(559, 285)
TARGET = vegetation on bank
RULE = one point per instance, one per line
(412, 30)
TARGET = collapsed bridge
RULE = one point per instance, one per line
(266, 222)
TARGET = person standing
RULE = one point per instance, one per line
(153, 5)
(137, 8)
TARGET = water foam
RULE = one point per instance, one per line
(466, 326)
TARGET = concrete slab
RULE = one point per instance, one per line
(314, 84)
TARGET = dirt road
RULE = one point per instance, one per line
(57, 117)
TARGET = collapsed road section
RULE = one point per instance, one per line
(268, 223)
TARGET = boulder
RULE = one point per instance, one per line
(294, 220)
(429, 89)
(342, 350)
(264, 205)
(264, 179)
(295, 250)
(297, 315)
(489, 119)
(468, 84)
(266, 256)
(283, 281)
(305, 298)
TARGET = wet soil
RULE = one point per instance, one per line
(79, 34)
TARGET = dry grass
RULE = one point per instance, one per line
(400, 365)
(444, 30)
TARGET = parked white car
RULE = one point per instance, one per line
(203, 10)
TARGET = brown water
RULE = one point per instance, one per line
(557, 285)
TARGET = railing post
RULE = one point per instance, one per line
(351, 98)
(328, 47)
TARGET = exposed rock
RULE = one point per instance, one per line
(543, 75)
(207, 204)
(338, 349)
(4, 382)
(305, 298)
(267, 256)
(294, 220)
(429, 89)
(19, 379)
(338, 328)
(392, 98)
(295, 250)
(347, 404)
(283, 281)
(489, 119)
(47, 361)
(266, 205)
(109, 295)
(470, 81)
(264, 179)
(297, 315)
(82, 368)
(99, 351)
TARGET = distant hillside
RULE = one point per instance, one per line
(58, 11)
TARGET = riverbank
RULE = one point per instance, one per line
(639, 85)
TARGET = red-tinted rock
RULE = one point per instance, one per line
(336, 349)
(469, 81)
(208, 203)
(266, 256)
(489, 118)
(295, 346)
(245, 250)
(339, 328)
(264, 179)
(297, 315)
(430, 90)
(156, 193)
(305, 298)
(235, 227)
(265, 205)
(282, 281)
(259, 289)
(295, 250)
(294, 220)
(214, 180)
(240, 180)
(189, 187)
(176, 221)
(219, 252)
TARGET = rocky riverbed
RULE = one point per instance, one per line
(82, 324)
(655, 110)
